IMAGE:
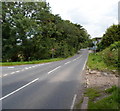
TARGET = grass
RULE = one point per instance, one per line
(110, 102)
(78, 105)
(95, 62)
(92, 93)
(30, 62)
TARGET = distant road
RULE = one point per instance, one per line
(43, 86)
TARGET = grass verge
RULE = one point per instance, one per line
(30, 62)
(95, 62)
(110, 102)
(92, 93)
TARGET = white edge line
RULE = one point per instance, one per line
(54, 69)
(85, 64)
(73, 102)
(19, 89)
(10, 67)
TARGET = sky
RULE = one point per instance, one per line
(94, 15)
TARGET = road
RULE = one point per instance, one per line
(43, 86)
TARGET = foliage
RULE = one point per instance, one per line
(92, 93)
(111, 35)
(30, 62)
(110, 55)
(110, 90)
(106, 60)
(95, 62)
(110, 102)
(31, 32)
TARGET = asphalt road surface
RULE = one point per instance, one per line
(43, 86)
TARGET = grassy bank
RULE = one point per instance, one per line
(30, 62)
(112, 101)
(96, 62)
(107, 59)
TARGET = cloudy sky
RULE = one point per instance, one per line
(94, 15)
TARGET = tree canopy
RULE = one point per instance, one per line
(111, 35)
(31, 32)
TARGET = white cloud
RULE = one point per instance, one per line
(94, 15)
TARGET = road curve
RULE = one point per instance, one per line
(43, 86)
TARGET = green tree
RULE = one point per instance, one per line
(31, 31)
(111, 35)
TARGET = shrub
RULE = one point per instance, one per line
(110, 55)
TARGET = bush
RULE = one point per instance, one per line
(110, 55)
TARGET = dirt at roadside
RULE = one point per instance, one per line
(100, 79)
(96, 79)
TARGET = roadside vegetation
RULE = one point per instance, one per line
(107, 56)
(30, 62)
(111, 101)
(106, 60)
(111, 35)
(30, 32)
(102, 100)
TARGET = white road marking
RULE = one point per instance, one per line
(22, 69)
(79, 57)
(19, 89)
(73, 102)
(17, 71)
(54, 69)
(74, 59)
(10, 67)
(67, 62)
(26, 68)
(12, 73)
(5, 74)
(84, 64)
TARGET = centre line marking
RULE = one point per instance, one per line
(54, 69)
(67, 62)
(22, 69)
(73, 102)
(19, 89)
(12, 72)
(5, 74)
(17, 71)
(26, 68)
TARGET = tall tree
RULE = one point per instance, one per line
(32, 32)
